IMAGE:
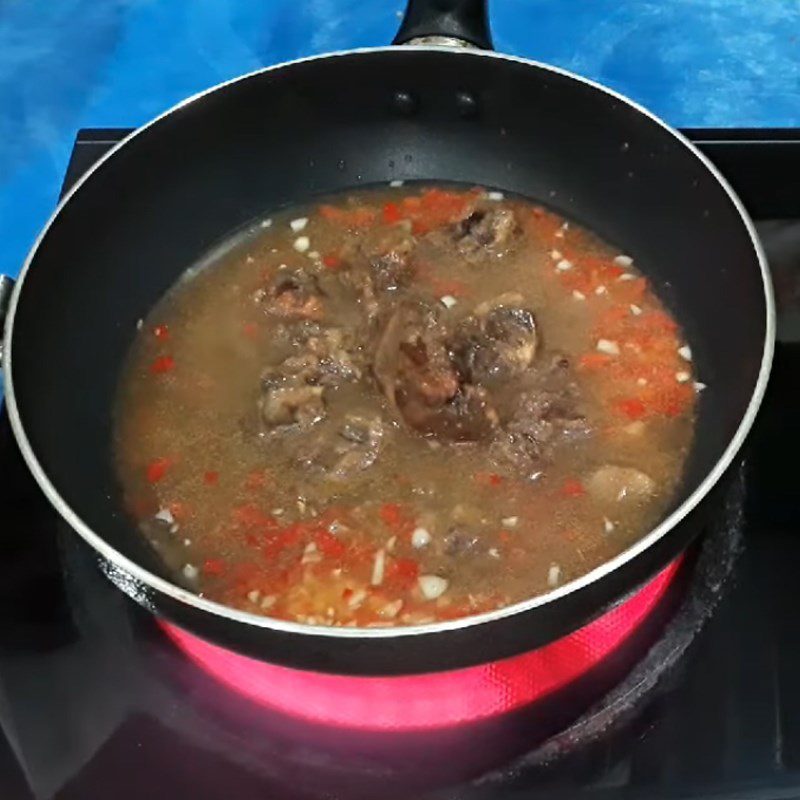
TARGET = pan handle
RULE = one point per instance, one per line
(6, 287)
(463, 23)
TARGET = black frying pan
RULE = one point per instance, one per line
(170, 191)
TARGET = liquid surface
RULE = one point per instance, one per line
(400, 406)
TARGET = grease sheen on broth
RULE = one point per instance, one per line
(402, 405)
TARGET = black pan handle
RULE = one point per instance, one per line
(464, 21)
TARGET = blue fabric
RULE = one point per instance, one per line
(65, 64)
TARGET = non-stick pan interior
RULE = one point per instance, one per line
(326, 124)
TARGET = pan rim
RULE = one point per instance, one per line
(144, 577)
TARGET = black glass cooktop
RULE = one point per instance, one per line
(95, 704)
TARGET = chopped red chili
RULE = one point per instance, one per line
(572, 488)
(162, 364)
(213, 566)
(157, 469)
(211, 478)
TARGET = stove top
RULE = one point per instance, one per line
(95, 702)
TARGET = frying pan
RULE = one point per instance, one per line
(448, 108)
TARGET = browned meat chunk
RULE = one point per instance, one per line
(486, 231)
(545, 416)
(496, 344)
(291, 294)
(341, 454)
(292, 405)
(415, 370)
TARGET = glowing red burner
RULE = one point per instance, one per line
(438, 700)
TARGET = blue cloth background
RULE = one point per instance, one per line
(65, 64)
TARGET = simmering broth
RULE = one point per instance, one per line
(402, 405)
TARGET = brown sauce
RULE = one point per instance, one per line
(403, 405)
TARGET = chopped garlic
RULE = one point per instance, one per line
(600, 290)
(268, 601)
(298, 224)
(392, 609)
(357, 598)
(420, 537)
(565, 226)
(627, 276)
(165, 515)
(623, 261)
(510, 522)
(378, 568)
(253, 595)
(556, 255)
(682, 376)
(608, 347)
(310, 554)
(699, 386)
(390, 543)
(496, 196)
(190, 571)
(265, 223)
(139, 324)
(493, 552)
(395, 184)
(559, 234)
(301, 244)
(564, 265)
(432, 586)
(641, 381)
(553, 575)
(685, 352)
(578, 295)
(608, 525)
(635, 310)
(314, 255)
(448, 301)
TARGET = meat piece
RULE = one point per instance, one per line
(343, 453)
(411, 363)
(390, 261)
(415, 370)
(291, 294)
(486, 232)
(613, 484)
(545, 416)
(459, 541)
(498, 343)
(292, 405)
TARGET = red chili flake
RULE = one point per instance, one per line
(347, 594)
(391, 514)
(250, 330)
(162, 364)
(161, 332)
(391, 213)
(331, 261)
(211, 478)
(329, 544)
(488, 478)
(157, 469)
(572, 488)
(504, 536)
(402, 571)
(213, 566)
(632, 408)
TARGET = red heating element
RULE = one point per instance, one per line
(436, 700)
